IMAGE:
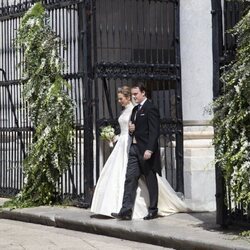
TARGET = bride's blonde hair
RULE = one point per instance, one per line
(125, 90)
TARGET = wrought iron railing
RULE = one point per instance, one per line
(107, 44)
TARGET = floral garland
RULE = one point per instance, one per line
(50, 108)
(232, 119)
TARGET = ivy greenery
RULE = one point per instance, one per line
(50, 110)
(232, 118)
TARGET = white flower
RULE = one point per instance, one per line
(31, 21)
(237, 89)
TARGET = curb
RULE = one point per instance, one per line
(123, 230)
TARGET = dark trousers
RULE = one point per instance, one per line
(131, 183)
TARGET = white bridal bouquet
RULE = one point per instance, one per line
(108, 134)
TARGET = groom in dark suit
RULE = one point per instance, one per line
(144, 154)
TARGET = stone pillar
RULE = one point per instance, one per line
(199, 169)
(197, 95)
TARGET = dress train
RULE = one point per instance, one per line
(168, 201)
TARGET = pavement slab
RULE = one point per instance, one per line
(178, 231)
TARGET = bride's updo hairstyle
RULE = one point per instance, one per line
(125, 90)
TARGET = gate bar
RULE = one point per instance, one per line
(107, 95)
(14, 113)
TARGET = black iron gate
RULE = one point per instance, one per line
(139, 40)
(225, 15)
(109, 43)
(70, 21)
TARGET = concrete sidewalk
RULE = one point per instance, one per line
(178, 231)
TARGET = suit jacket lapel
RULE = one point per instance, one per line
(137, 113)
(134, 114)
(143, 107)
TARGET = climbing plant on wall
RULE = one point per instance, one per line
(50, 109)
(232, 118)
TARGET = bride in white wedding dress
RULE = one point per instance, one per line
(108, 193)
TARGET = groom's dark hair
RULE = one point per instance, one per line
(141, 86)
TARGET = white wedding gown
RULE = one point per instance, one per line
(108, 193)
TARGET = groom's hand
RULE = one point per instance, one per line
(131, 127)
(147, 154)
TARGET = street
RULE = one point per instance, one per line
(15, 235)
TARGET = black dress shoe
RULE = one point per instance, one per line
(150, 216)
(122, 216)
